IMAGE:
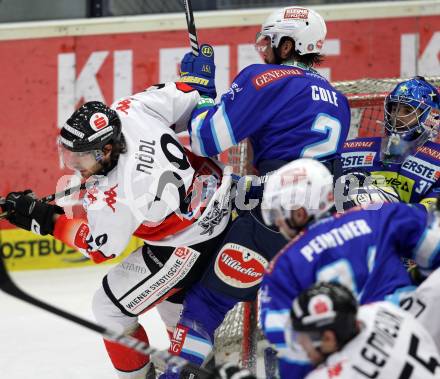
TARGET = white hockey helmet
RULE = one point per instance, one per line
(303, 183)
(305, 26)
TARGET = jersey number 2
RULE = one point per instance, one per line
(327, 125)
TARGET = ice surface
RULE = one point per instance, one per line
(35, 344)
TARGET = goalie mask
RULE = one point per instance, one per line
(412, 117)
(303, 183)
(306, 27)
(85, 133)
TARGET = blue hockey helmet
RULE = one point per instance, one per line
(412, 116)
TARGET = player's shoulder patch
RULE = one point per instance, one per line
(239, 266)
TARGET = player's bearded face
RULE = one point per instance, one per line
(404, 116)
(86, 163)
(264, 48)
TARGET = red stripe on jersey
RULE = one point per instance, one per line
(74, 232)
(98, 257)
(71, 231)
(175, 223)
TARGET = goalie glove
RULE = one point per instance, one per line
(360, 189)
(199, 71)
(28, 213)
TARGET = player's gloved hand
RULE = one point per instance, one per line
(199, 71)
(28, 213)
(231, 371)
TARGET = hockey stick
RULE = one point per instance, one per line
(7, 285)
(192, 32)
(58, 195)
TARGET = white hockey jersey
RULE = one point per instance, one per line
(391, 345)
(158, 191)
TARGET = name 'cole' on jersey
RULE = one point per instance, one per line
(390, 344)
(416, 180)
(287, 111)
(361, 249)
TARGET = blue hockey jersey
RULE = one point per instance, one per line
(362, 249)
(287, 111)
(416, 180)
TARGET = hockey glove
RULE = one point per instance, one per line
(28, 213)
(231, 371)
(199, 71)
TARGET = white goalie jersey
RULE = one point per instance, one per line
(158, 191)
(391, 345)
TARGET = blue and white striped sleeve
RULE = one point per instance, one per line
(210, 130)
(276, 295)
(427, 251)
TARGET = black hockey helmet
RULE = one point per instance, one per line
(91, 127)
(84, 135)
(325, 306)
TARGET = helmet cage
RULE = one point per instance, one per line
(404, 125)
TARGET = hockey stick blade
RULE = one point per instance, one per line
(191, 26)
(8, 286)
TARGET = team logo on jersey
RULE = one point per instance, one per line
(335, 371)
(110, 197)
(123, 106)
(239, 266)
(98, 121)
(271, 76)
(296, 13)
(213, 218)
(233, 90)
(356, 159)
(421, 168)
